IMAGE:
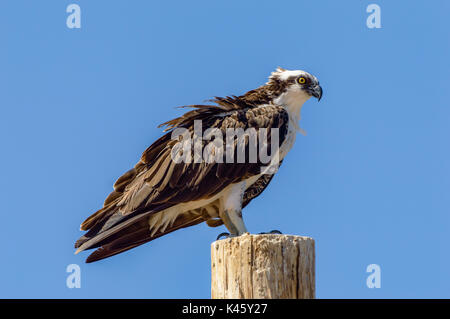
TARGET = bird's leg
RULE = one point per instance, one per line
(231, 210)
(232, 218)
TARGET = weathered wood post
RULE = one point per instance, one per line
(263, 266)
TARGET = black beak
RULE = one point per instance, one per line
(316, 91)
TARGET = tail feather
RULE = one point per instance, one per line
(99, 215)
(135, 235)
(109, 206)
(97, 226)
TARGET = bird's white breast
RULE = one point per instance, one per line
(292, 100)
(289, 141)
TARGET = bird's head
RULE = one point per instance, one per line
(290, 86)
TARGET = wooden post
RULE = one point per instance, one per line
(263, 266)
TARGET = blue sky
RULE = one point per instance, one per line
(369, 182)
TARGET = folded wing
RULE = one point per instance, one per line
(157, 183)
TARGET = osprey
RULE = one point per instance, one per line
(160, 195)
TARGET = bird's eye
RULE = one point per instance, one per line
(301, 80)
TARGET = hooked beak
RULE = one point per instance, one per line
(316, 91)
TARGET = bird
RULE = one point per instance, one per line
(162, 193)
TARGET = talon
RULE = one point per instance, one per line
(226, 235)
(272, 232)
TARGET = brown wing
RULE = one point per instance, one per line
(157, 182)
(257, 188)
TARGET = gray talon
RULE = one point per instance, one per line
(272, 232)
(226, 235)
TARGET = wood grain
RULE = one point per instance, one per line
(264, 266)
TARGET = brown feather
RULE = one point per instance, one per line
(137, 237)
